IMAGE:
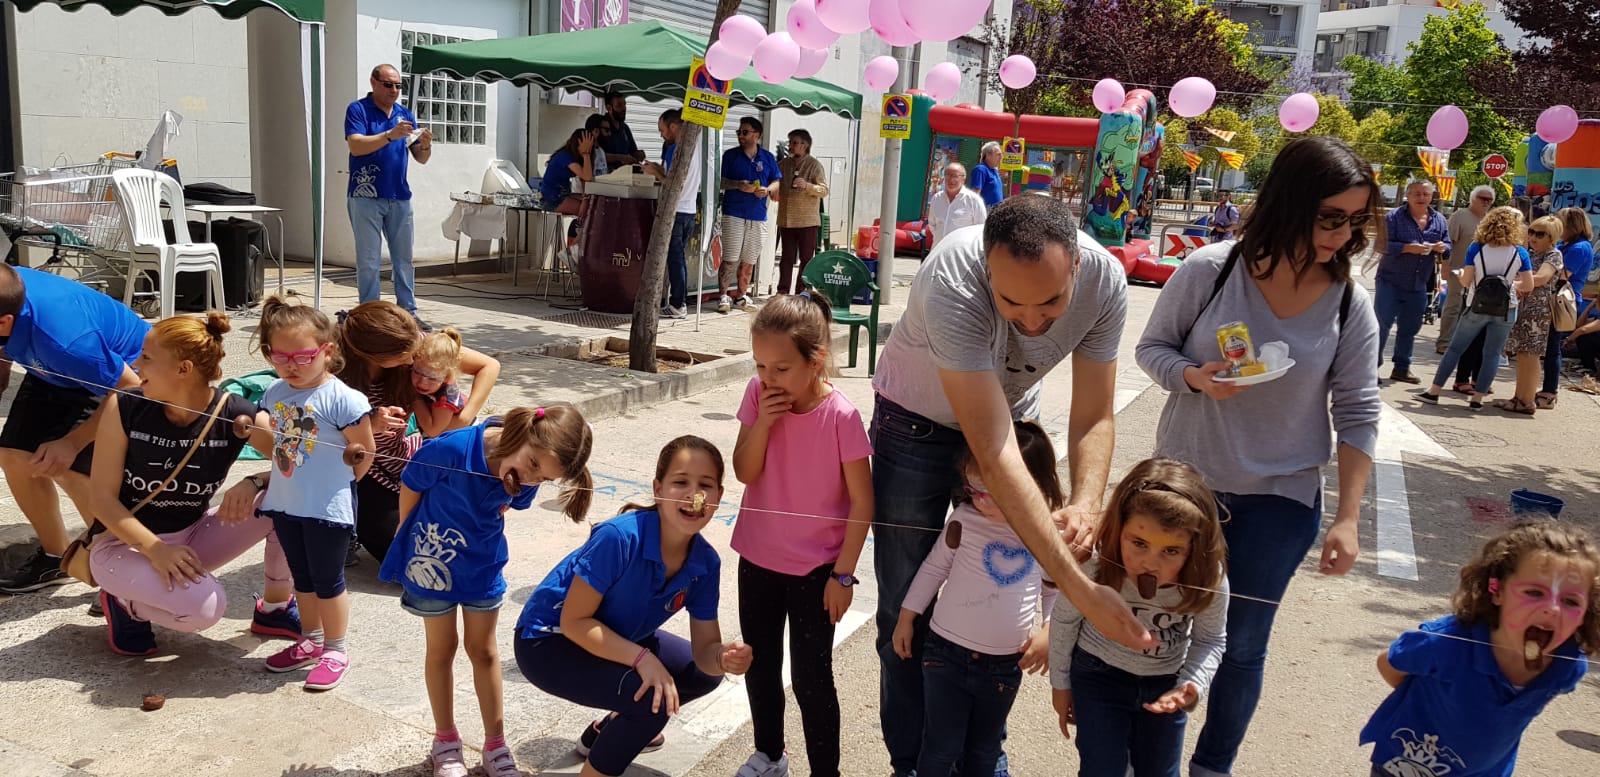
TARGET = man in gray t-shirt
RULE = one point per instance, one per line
(993, 309)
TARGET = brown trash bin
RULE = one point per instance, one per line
(614, 244)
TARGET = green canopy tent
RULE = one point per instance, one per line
(643, 59)
(313, 56)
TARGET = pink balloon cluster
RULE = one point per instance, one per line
(776, 58)
(806, 29)
(881, 72)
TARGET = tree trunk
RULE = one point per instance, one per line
(647, 308)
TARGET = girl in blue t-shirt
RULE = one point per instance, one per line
(451, 549)
(1467, 685)
(311, 497)
(591, 632)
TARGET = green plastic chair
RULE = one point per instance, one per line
(841, 276)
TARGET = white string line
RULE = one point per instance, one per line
(788, 513)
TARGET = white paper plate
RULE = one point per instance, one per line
(1265, 377)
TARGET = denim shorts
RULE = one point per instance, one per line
(433, 608)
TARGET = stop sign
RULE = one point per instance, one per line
(1495, 165)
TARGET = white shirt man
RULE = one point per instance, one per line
(955, 206)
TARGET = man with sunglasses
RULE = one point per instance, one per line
(1418, 237)
(1462, 226)
(73, 355)
(383, 139)
(749, 173)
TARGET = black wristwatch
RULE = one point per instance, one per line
(259, 481)
(846, 580)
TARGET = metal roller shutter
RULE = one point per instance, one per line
(694, 16)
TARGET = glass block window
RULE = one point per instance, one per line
(456, 111)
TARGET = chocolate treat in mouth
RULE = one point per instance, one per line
(1147, 585)
(511, 482)
(1533, 642)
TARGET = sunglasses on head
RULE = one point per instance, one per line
(1331, 220)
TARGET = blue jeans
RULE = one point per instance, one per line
(1552, 361)
(1495, 331)
(1403, 309)
(913, 475)
(969, 695)
(1114, 729)
(373, 221)
(1268, 536)
(678, 262)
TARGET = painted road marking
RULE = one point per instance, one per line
(1397, 435)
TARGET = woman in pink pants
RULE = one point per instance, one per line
(155, 565)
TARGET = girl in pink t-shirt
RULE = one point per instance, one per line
(802, 455)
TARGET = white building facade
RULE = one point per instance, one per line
(1381, 29)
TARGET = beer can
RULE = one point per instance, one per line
(1234, 340)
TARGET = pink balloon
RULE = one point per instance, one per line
(888, 24)
(1192, 96)
(811, 62)
(806, 29)
(942, 20)
(846, 17)
(1109, 95)
(943, 81)
(1017, 71)
(776, 58)
(1557, 123)
(741, 34)
(880, 73)
(1447, 128)
(723, 63)
(1299, 112)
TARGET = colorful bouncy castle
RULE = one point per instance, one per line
(1121, 195)
(1575, 182)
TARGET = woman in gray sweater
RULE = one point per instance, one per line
(1288, 280)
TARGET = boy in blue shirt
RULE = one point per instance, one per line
(76, 344)
(748, 173)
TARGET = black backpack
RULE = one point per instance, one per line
(1491, 295)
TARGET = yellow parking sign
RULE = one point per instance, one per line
(705, 100)
(896, 121)
(1014, 154)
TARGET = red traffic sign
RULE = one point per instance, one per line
(1495, 165)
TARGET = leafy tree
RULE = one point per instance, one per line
(1565, 71)
(1077, 42)
(1368, 142)
(1374, 84)
(1438, 71)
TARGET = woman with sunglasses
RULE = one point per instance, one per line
(379, 344)
(1530, 336)
(1288, 279)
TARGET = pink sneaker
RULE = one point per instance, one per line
(329, 670)
(446, 759)
(297, 656)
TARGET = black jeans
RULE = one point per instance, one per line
(766, 600)
(1552, 361)
(1471, 360)
(377, 516)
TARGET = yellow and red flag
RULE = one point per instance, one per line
(1434, 160)
(1191, 155)
(1225, 136)
(1234, 159)
(1447, 185)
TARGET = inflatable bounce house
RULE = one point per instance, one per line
(1104, 167)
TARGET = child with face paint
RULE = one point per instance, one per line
(1160, 544)
(451, 548)
(1468, 684)
(981, 633)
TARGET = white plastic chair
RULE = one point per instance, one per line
(141, 192)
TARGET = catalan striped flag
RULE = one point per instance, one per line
(1434, 160)
(1234, 159)
(1225, 136)
(1447, 185)
(1191, 155)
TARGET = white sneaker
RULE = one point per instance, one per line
(725, 304)
(672, 312)
(743, 303)
(760, 766)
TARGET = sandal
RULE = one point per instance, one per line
(1462, 388)
(1545, 400)
(1514, 405)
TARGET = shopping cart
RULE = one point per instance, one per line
(72, 212)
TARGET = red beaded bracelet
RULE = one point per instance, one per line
(636, 659)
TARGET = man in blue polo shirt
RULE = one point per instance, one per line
(748, 173)
(986, 175)
(75, 344)
(383, 139)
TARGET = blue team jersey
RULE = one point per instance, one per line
(1455, 713)
(622, 560)
(68, 329)
(452, 548)
(382, 173)
(737, 166)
